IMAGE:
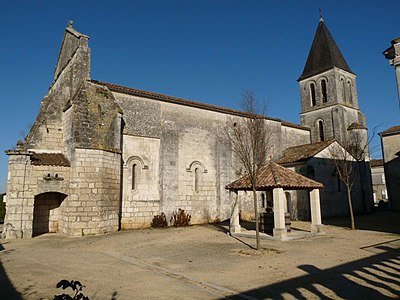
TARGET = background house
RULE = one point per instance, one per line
(315, 161)
(378, 180)
(390, 138)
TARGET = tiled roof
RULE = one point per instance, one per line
(391, 130)
(171, 99)
(376, 162)
(324, 54)
(49, 159)
(272, 176)
(303, 152)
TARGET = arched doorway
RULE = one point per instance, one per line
(47, 213)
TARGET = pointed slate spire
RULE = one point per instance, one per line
(324, 54)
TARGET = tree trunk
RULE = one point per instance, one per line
(353, 226)
(257, 219)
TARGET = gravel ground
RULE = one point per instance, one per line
(203, 262)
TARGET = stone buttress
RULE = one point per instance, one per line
(65, 176)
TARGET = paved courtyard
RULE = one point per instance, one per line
(203, 262)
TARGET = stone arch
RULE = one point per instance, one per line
(197, 164)
(323, 83)
(312, 88)
(320, 126)
(349, 87)
(197, 169)
(133, 168)
(343, 87)
(133, 159)
(47, 213)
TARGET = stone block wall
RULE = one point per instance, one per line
(19, 205)
(179, 139)
(73, 68)
(93, 205)
(26, 182)
(141, 194)
(197, 162)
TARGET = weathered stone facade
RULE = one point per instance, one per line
(102, 157)
(328, 90)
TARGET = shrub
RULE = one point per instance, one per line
(180, 218)
(76, 287)
(159, 221)
(216, 220)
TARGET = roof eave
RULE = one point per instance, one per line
(306, 76)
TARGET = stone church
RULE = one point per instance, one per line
(102, 157)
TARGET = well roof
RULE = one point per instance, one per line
(273, 176)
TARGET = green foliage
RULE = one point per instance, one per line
(180, 218)
(76, 287)
(159, 221)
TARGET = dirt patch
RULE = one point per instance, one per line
(254, 252)
(201, 262)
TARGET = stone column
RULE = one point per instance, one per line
(234, 226)
(316, 224)
(20, 199)
(279, 213)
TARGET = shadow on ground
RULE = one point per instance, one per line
(7, 290)
(382, 221)
(374, 277)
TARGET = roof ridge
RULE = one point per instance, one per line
(183, 101)
(303, 152)
(276, 176)
(272, 176)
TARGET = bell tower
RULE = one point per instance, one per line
(328, 91)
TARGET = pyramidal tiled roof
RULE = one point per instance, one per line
(303, 152)
(272, 176)
(324, 54)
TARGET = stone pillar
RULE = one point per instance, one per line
(234, 225)
(20, 200)
(316, 224)
(279, 213)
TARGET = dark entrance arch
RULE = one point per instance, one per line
(47, 213)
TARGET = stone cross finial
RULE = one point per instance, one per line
(70, 22)
(320, 15)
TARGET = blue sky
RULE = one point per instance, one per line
(207, 51)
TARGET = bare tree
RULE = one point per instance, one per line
(250, 141)
(347, 159)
